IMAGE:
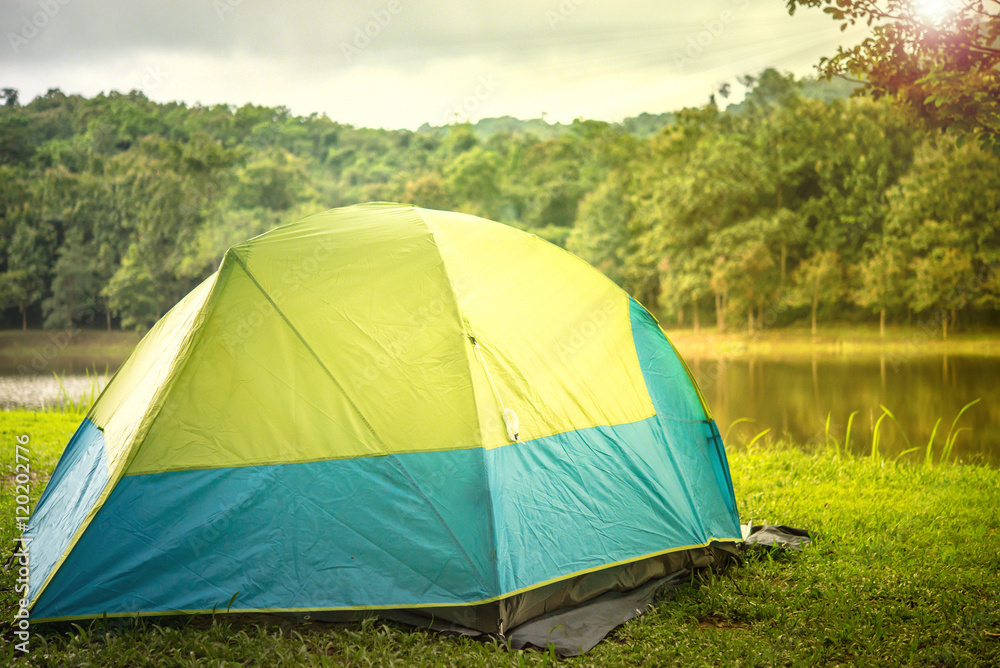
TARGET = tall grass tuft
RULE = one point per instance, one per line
(830, 438)
(732, 424)
(847, 436)
(875, 438)
(66, 403)
(929, 452)
(949, 441)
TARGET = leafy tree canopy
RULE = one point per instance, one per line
(940, 59)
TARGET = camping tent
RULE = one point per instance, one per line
(386, 408)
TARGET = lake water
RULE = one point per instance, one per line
(790, 398)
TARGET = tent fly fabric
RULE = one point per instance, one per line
(386, 408)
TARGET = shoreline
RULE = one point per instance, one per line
(44, 351)
(790, 343)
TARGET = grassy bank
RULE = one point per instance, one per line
(86, 348)
(57, 351)
(898, 342)
(906, 571)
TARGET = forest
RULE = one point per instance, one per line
(801, 205)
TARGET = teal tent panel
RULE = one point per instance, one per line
(76, 484)
(398, 530)
(676, 399)
(667, 380)
(585, 499)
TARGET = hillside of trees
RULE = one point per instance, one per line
(796, 205)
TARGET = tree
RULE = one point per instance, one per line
(864, 149)
(29, 258)
(941, 275)
(273, 180)
(427, 191)
(698, 178)
(745, 275)
(76, 284)
(601, 234)
(163, 210)
(14, 292)
(947, 209)
(472, 179)
(879, 280)
(817, 280)
(943, 65)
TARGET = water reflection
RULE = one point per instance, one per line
(39, 392)
(792, 398)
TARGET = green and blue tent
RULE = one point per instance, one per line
(386, 408)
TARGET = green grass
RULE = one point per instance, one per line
(906, 571)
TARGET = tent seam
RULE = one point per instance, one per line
(154, 408)
(494, 562)
(668, 451)
(312, 352)
(402, 469)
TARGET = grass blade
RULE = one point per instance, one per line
(847, 436)
(929, 453)
(892, 417)
(949, 441)
(830, 437)
(875, 438)
(750, 444)
(733, 424)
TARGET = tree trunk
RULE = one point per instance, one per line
(750, 320)
(954, 319)
(24, 319)
(944, 324)
(725, 308)
(815, 305)
(108, 314)
(680, 317)
(881, 323)
(697, 320)
(784, 259)
(720, 317)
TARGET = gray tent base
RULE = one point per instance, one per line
(572, 616)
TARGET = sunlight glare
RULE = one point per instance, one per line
(934, 10)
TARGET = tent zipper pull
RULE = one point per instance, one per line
(509, 416)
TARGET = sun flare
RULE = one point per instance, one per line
(934, 10)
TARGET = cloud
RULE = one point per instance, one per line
(354, 60)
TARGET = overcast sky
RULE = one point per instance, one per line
(400, 63)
